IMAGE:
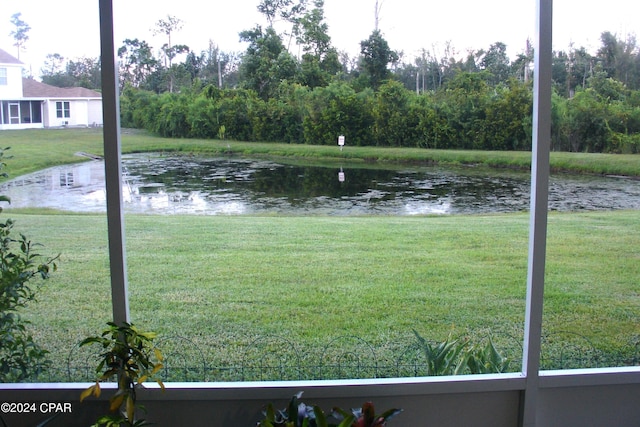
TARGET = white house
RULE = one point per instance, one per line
(29, 104)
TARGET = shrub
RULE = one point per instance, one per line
(130, 358)
(20, 356)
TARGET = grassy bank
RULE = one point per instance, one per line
(37, 149)
(225, 282)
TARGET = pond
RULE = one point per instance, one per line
(153, 183)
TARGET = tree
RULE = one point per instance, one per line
(586, 125)
(609, 53)
(167, 27)
(618, 58)
(581, 65)
(571, 70)
(607, 88)
(215, 66)
(194, 64)
(19, 35)
(52, 65)
(377, 11)
(496, 62)
(170, 51)
(273, 9)
(521, 66)
(83, 72)
(560, 72)
(376, 56)
(86, 72)
(464, 104)
(628, 71)
(212, 66)
(320, 59)
(137, 63)
(435, 67)
(287, 10)
(313, 31)
(393, 122)
(266, 62)
(508, 117)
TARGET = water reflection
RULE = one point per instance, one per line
(236, 186)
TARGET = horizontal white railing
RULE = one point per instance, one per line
(606, 396)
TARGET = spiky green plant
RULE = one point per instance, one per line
(485, 360)
(442, 357)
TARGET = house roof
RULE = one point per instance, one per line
(6, 58)
(34, 89)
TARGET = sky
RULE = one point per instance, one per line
(71, 27)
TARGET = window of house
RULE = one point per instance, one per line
(3, 76)
(63, 109)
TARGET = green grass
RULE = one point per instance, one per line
(225, 281)
(36, 149)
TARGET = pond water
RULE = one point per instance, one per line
(228, 185)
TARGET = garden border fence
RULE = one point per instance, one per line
(277, 358)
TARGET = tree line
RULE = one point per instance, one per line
(440, 99)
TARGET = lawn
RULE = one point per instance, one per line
(226, 287)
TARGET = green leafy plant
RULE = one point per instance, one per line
(299, 414)
(485, 360)
(131, 359)
(443, 358)
(20, 356)
(456, 357)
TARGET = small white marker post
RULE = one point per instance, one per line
(341, 141)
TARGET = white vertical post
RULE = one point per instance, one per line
(539, 207)
(112, 166)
